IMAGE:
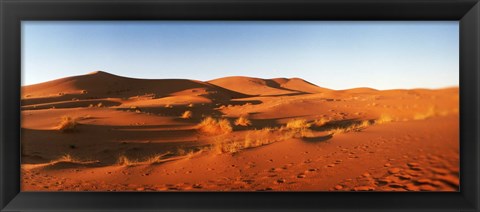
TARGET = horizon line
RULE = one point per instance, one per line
(110, 73)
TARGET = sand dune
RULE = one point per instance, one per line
(102, 85)
(102, 132)
(301, 85)
(267, 87)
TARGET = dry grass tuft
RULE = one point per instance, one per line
(296, 128)
(155, 159)
(69, 159)
(338, 130)
(187, 114)
(320, 122)
(210, 125)
(254, 138)
(297, 124)
(231, 147)
(352, 128)
(66, 158)
(67, 124)
(124, 161)
(365, 123)
(257, 138)
(242, 121)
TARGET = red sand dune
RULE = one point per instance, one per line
(102, 132)
(267, 87)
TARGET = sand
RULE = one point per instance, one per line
(102, 132)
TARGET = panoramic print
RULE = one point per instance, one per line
(185, 106)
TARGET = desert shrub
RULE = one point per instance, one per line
(320, 122)
(259, 137)
(298, 124)
(252, 139)
(365, 123)
(297, 128)
(124, 161)
(181, 151)
(210, 125)
(223, 146)
(231, 147)
(357, 127)
(65, 158)
(187, 114)
(154, 159)
(225, 126)
(337, 130)
(67, 124)
(70, 159)
(242, 121)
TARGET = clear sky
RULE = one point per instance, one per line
(333, 54)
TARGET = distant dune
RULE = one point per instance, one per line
(257, 86)
(103, 132)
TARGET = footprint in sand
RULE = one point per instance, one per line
(366, 174)
(338, 187)
(363, 188)
(450, 180)
(301, 176)
(197, 186)
(394, 170)
(276, 169)
(404, 176)
(440, 171)
(249, 181)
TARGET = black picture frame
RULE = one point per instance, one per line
(12, 12)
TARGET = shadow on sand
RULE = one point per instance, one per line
(318, 138)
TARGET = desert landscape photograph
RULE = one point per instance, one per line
(193, 106)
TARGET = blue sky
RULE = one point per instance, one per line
(334, 54)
